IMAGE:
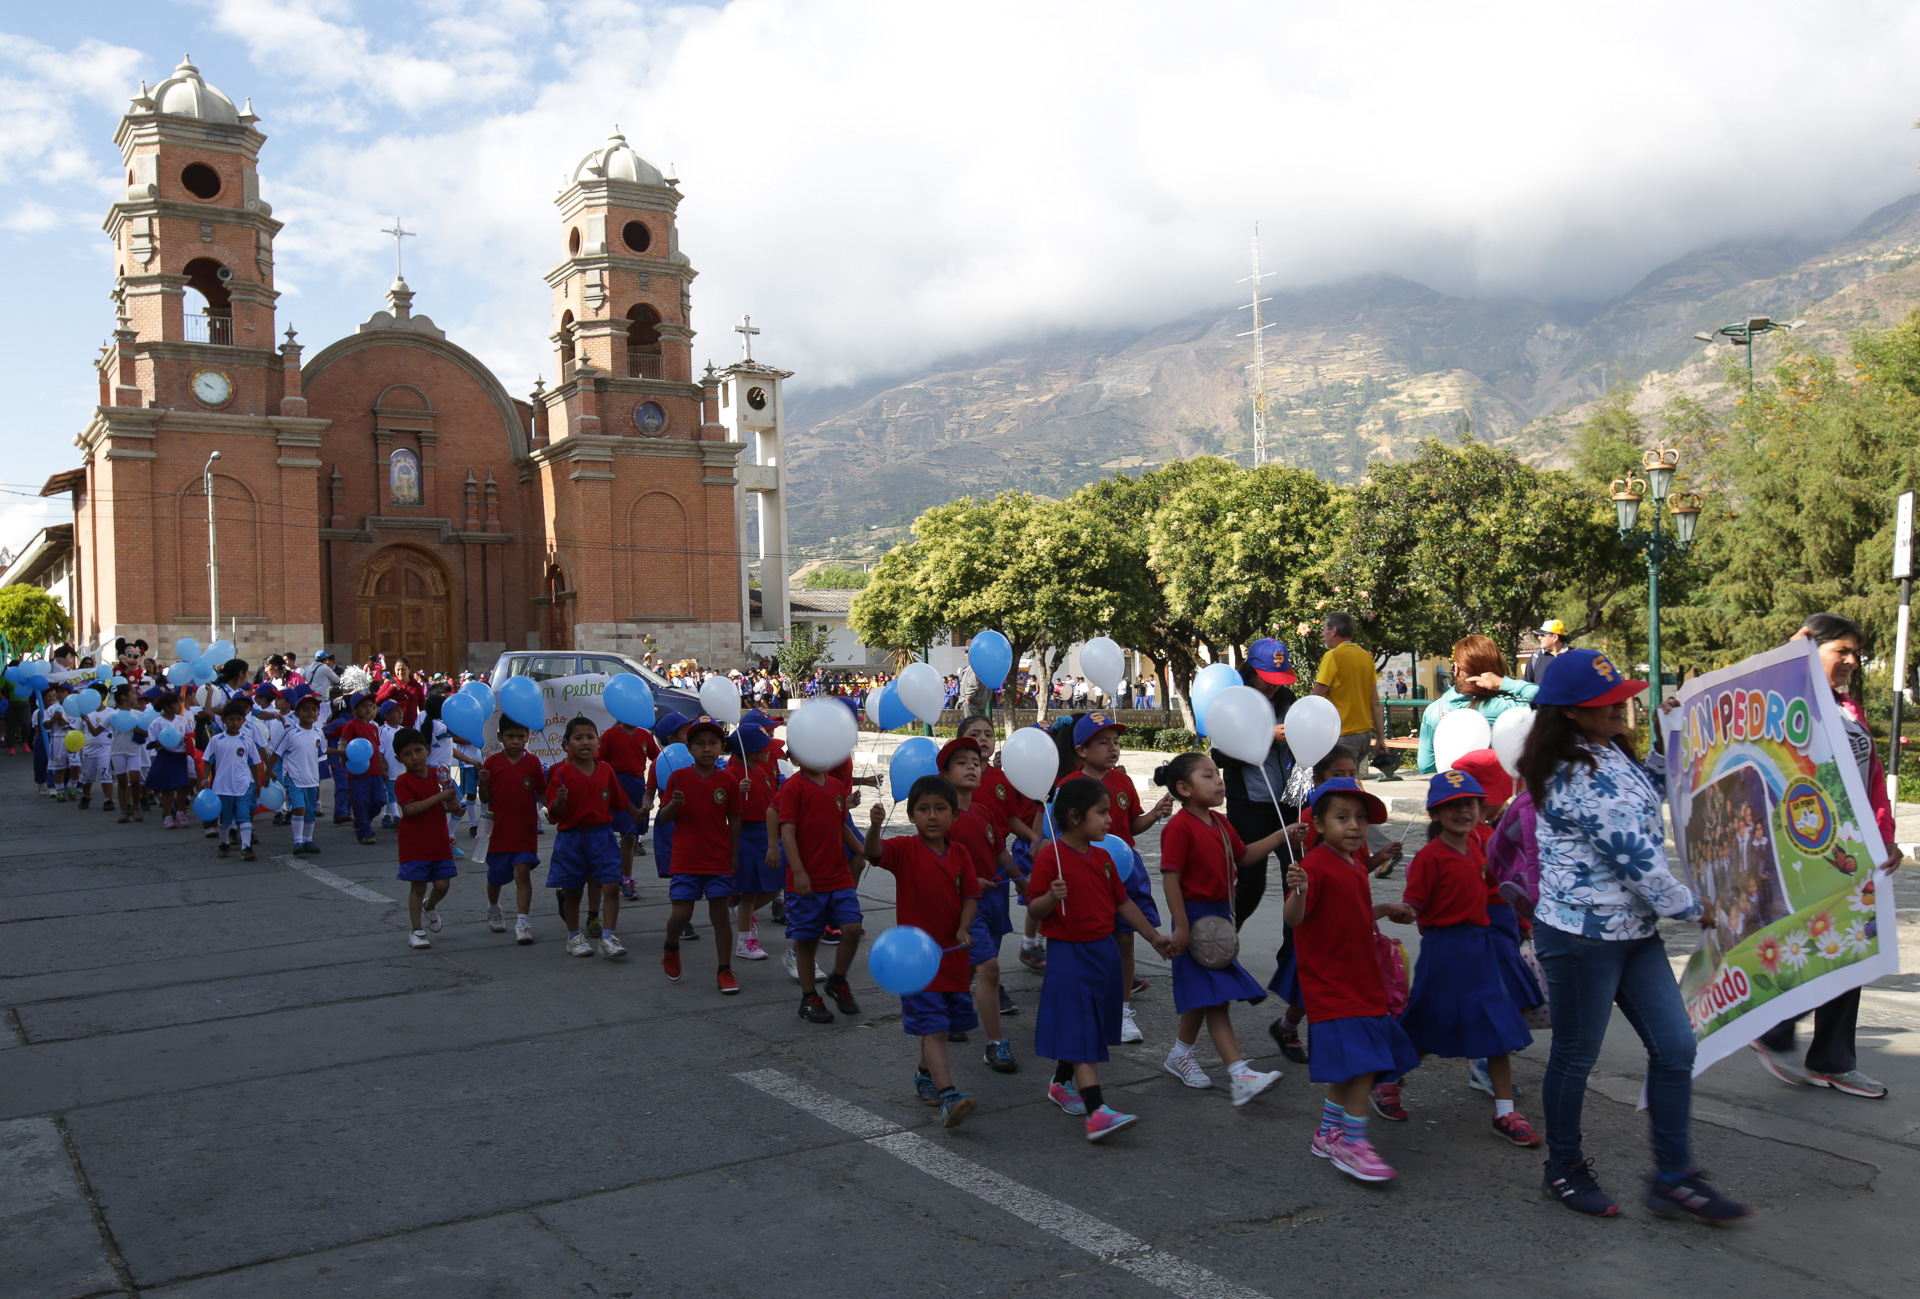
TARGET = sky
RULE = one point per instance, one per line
(884, 184)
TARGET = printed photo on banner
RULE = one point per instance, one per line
(1773, 827)
(566, 698)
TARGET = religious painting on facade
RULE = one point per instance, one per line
(404, 478)
(650, 418)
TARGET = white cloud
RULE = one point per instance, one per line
(41, 92)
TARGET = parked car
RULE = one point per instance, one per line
(544, 665)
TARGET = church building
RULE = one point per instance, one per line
(388, 493)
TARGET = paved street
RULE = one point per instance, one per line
(234, 1079)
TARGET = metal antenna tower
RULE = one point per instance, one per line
(1259, 366)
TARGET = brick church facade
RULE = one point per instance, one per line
(387, 493)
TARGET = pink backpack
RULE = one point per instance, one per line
(1513, 856)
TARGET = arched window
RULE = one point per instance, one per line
(566, 346)
(213, 323)
(643, 342)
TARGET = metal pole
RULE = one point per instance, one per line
(1653, 617)
(213, 557)
(1899, 689)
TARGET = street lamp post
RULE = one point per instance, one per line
(213, 556)
(1659, 465)
(1741, 333)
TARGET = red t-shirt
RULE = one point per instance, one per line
(1447, 888)
(765, 777)
(1482, 835)
(1193, 851)
(817, 814)
(930, 891)
(843, 773)
(591, 800)
(423, 837)
(972, 832)
(1095, 891)
(702, 829)
(410, 696)
(628, 751)
(1339, 976)
(1123, 801)
(513, 792)
(1000, 797)
(359, 730)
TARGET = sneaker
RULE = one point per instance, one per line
(956, 1035)
(1574, 1186)
(1139, 986)
(593, 927)
(1781, 1065)
(1386, 1103)
(106, 805)
(689, 934)
(1287, 1037)
(388, 822)
(248, 854)
(954, 1108)
(842, 994)
(748, 948)
(522, 931)
(225, 849)
(791, 965)
(126, 818)
(729, 986)
(1183, 1066)
(459, 853)
(1130, 1027)
(1852, 1082)
(639, 847)
(814, 1010)
(1323, 1143)
(577, 945)
(1691, 1197)
(669, 961)
(612, 946)
(830, 935)
(1360, 1161)
(923, 1088)
(418, 938)
(1067, 1096)
(1034, 958)
(495, 920)
(1516, 1129)
(1008, 1006)
(1106, 1121)
(999, 1057)
(366, 838)
(432, 917)
(1481, 1081)
(1248, 1085)
(629, 891)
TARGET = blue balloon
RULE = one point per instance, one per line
(630, 700)
(206, 805)
(187, 648)
(219, 653)
(14, 674)
(359, 755)
(169, 738)
(123, 721)
(104, 673)
(85, 701)
(204, 672)
(903, 960)
(671, 759)
(522, 700)
(991, 658)
(273, 796)
(1210, 681)
(180, 674)
(893, 713)
(914, 758)
(481, 691)
(463, 717)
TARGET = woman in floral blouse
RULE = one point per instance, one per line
(1604, 885)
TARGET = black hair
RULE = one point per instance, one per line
(1433, 821)
(938, 787)
(1333, 755)
(1180, 768)
(1556, 740)
(575, 724)
(121, 690)
(1823, 627)
(971, 718)
(166, 700)
(406, 737)
(1073, 800)
(1062, 736)
(510, 724)
(238, 706)
(434, 700)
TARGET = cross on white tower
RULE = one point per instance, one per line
(398, 232)
(745, 329)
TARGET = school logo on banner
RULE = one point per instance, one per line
(1809, 816)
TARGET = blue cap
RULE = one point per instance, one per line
(1376, 810)
(667, 725)
(1450, 787)
(760, 717)
(1091, 725)
(705, 723)
(354, 700)
(1271, 662)
(753, 738)
(853, 706)
(1583, 678)
(321, 654)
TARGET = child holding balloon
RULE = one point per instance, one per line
(702, 802)
(171, 773)
(630, 750)
(1004, 806)
(975, 831)
(511, 782)
(811, 812)
(235, 772)
(357, 745)
(298, 756)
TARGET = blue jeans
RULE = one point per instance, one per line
(1586, 978)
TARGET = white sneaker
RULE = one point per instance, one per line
(749, 949)
(495, 921)
(418, 938)
(790, 965)
(522, 930)
(1246, 1086)
(1183, 1066)
(577, 945)
(611, 946)
(1129, 1027)
(432, 918)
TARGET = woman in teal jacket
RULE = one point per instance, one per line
(1480, 682)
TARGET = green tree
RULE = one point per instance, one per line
(30, 617)
(833, 577)
(804, 647)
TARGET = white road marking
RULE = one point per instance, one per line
(1083, 1231)
(340, 882)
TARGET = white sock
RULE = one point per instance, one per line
(1241, 1069)
(1028, 944)
(246, 835)
(1180, 1049)
(1502, 1108)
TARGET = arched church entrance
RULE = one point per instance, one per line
(405, 607)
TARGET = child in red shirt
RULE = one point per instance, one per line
(976, 832)
(1355, 1040)
(363, 790)
(936, 889)
(426, 849)
(814, 835)
(1076, 890)
(630, 751)
(583, 796)
(511, 783)
(702, 803)
(759, 874)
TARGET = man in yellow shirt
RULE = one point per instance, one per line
(1348, 679)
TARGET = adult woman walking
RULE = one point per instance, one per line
(1480, 682)
(1255, 795)
(1831, 1060)
(1604, 885)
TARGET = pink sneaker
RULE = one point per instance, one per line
(1106, 1121)
(1067, 1096)
(1323, 1143)
(1360, 1161)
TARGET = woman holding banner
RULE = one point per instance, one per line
(1604, 886)
(1831, 1060)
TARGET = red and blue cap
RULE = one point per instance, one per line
(1271, 662)
(753, 738)
(1451, 787)
(1091, 725)
(667, 725)
(1376, 810)
(954, 746)
(705, 723)
(1583, 678)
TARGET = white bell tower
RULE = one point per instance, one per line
(753, 412)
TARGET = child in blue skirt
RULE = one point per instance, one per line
(1484, 766)
(1076, 891)
(1355, 1040)
(1461, 1003)
(1199, 855)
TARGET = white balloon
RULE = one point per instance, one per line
(821, 734)
(1510, 736)
(787, 769)
(872, 705)
(1101, 660)
(1460, 732)
(1313, 728)
(721, 698)
(922, 691)
(1031, 762)
(1240, 720)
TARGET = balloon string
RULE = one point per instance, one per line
(1285, 838)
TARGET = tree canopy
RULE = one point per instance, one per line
(30, 617)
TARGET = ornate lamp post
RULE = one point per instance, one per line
(1659, 465)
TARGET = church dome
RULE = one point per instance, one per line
(184, 94)
(616, 160)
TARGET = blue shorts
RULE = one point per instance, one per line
(588, 854)
(237, 809)
(691, 888)
(751, 874)
(631, 821)
(302, 802)
(500, 866)
(985, 944)
(427, 871)
(808, 917)
(926, 1013)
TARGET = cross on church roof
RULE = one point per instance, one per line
(398, 232)
(746, 331)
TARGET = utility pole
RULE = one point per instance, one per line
(213, 557)
(1902, 569)
(1259, 366)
